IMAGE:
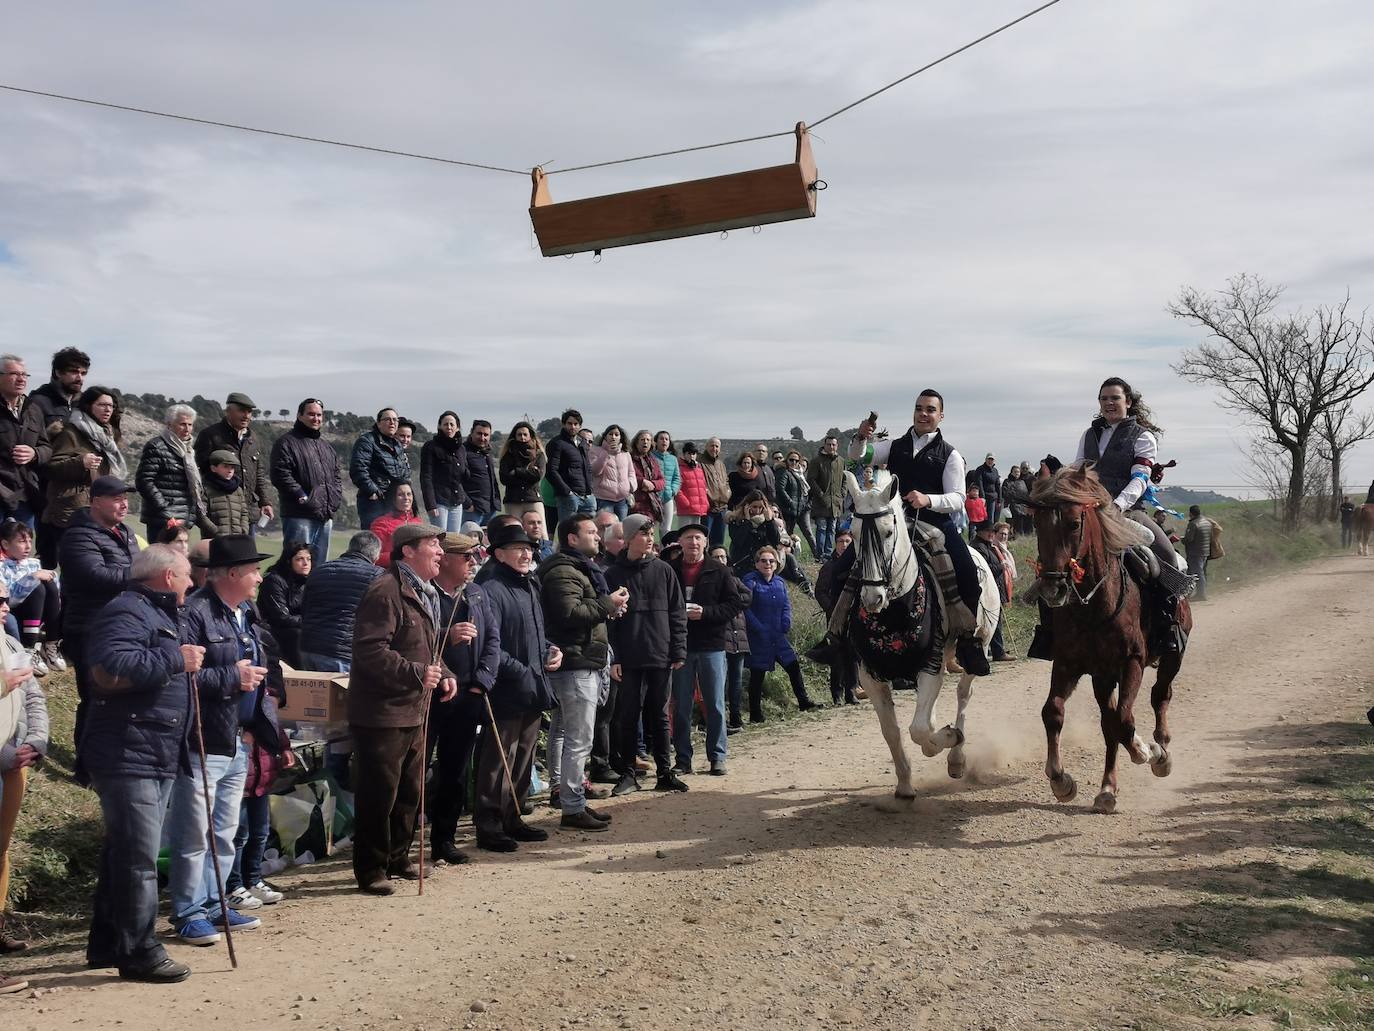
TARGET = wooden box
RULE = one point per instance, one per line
(736, 201)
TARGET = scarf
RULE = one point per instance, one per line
(103, 440)
(591, 571)
(308, 432)
(428, 593)
(186, 451)
(225, 486)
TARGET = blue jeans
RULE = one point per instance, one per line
(312, 532)
(570, 733)
(825, 537)
(124, 911)
(192, 887)
(570, 503)
(255, 823)
(621, 508)
(708, 670)
(715, 528)
(481, 518)
(369, 510)
(449, 519)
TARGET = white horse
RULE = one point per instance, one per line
(889, 569)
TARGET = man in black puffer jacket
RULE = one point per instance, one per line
(332, 594)
(306, 473)
(479, 474)
(231, 687)
(569, 469)
(649, 641)
(96, 553)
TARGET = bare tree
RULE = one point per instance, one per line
(1282, 371)
(1340, 429)
(1270, 472)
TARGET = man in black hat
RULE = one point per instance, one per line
(396, 667)
(95, 553)
(519, 697)
(233, 697)
(235, 432)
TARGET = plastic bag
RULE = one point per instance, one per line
(304, 820)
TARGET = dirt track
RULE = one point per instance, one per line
(797, 893)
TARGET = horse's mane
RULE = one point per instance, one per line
(1071, 486)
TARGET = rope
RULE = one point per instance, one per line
(264, 132)
(927, 67)
(516, 171)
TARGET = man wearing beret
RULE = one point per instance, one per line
(394, 671)
(235, 433)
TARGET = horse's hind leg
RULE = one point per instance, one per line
(1103, 688)
(958, 763)
(1052, 715)
(880, 694)
(1160, 696)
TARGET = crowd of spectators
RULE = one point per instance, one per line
(462, 621)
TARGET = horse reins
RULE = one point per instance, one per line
(1067, 575)
(871, 543)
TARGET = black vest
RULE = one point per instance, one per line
(923, 471)
(1114, 467)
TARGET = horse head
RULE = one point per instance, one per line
(883, 547)
(1076, 526)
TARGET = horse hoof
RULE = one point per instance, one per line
(1065, 788)
(957, 768)
(929, 748)
(1105, 802)
(904, 796)
(1164, 767)
(958, 735)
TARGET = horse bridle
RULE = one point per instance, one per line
(1067, 575)
(870, 538)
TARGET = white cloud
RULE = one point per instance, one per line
(1008, 227)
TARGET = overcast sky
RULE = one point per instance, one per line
(1008, 227)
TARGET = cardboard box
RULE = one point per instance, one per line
(314, 697)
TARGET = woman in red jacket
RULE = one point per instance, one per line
(693, 502)
(401, 509)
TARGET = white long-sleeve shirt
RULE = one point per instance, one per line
(876, 453)
(1146, 454)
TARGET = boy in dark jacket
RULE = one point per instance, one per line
(578, 603)
(650, 641)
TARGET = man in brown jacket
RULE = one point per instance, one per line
(717, 490)
(394, 670)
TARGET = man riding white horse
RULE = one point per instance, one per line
(931, 477)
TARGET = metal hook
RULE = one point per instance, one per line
(596, 258)
(757, 230)
(724, 234)
(819, 185)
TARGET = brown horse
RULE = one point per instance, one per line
(1101, 625)
(1364, 528)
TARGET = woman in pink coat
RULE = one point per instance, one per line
(614, 477)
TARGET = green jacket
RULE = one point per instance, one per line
(575, 613)
(225, 511)
(825, 476)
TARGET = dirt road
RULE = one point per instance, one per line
(796, 893)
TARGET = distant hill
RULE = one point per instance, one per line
(1181, 497)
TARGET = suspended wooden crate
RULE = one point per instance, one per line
(735, 201)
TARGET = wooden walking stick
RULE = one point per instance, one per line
(424, 736)
(501, 750)
(210, 823)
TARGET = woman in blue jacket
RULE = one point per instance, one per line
(672, 478)
(768, 619)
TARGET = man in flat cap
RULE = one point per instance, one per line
(396, 667)
(235, 433)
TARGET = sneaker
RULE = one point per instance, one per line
(603, 775)
(732, 729)
(269, 896)
(40, 668)
(582, 822)
(629, 782)
(198, 932)
(169, 971)
(10, 985)
(718, 769)
(52, 655)
(242, 898)
(668, 782)
(237, 921)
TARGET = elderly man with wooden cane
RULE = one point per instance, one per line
(396, 666)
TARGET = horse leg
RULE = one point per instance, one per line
(957, 761)
(1052, 715)
(922, 730)
(1140, 753)
(1160, 696)
(1103, 688)
(880, 694)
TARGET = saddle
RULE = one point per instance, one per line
(1151, 574)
